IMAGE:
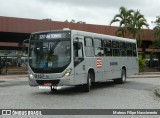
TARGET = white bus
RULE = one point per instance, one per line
(72, 57)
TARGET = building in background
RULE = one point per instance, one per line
(13, 31)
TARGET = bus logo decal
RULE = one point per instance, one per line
(99, 62)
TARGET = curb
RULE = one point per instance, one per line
(12, 76)
(144, 76)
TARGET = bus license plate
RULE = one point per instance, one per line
(47, 84)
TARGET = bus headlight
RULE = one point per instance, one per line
(31, 76)
(67, 73)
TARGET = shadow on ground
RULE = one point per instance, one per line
(77, 90)
(100, 86)
(2, 81)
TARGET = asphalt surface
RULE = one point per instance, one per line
(150, 75)
(137, 93)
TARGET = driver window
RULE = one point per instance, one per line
(78, 50)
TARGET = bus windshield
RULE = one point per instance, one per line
(49, 56)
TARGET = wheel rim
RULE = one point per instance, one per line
(89, 82)
(123, 76)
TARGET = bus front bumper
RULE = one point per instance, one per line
(65, 81)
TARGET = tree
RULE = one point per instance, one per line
(66, 21)
(156, 29)
(157, 32)
(131, 24)
(47, 19)
(81, 22)
(156, 44)
(124, 19)
(156, 41)
(137, 25)
(74, 21)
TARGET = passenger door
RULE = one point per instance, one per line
(79, 66)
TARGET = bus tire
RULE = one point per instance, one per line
(53, 89)
(121, 80)
(87, 86)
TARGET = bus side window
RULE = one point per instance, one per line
(89, 51)
(107, 47)
(134, 50)
(115, 48)
(78, 50)
(98, 47)
(122, 46)
(129, 49)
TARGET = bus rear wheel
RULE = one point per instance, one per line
(123, 77)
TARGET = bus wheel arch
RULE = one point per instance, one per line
(122, 79)
(92, 72)
(90, 79)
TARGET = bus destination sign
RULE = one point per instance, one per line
(54, 35)
(50, 36)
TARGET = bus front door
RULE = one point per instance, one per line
(79, 66)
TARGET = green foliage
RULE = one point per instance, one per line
(131, 23)
(156, 44)
(141, 64)
(156, 32)
(74, 21)
(156, 29)
(157, 21)
(124, 19)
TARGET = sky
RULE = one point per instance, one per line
(99, 12)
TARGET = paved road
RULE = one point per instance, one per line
(137, 93)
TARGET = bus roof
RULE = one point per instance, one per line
(79, 32)
(103, 36)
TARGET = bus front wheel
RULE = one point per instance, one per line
(87, 86)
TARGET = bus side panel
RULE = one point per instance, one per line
(115, 64)
(132, 66)
(80, 74)
(107, 74)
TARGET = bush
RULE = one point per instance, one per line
(141, 64)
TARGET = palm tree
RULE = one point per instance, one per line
(157, 32)
(157, 28)
(131, 24)
(124, 19)
(138, 23)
